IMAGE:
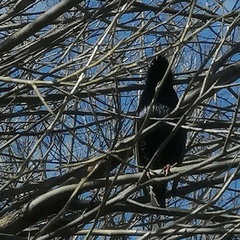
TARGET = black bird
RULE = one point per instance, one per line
(165, 101)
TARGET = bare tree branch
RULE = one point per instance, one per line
(71, 75)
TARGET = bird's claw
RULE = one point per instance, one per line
(151, 173)
(166, 169)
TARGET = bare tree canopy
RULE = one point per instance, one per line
(71, 75)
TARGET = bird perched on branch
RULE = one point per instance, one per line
(160, 145)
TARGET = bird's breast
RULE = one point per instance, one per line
(157, 110)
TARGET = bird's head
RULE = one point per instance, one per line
(157, 70)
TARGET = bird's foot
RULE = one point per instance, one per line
(151, 173)
(166, 170)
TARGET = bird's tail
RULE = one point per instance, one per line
(157, 193)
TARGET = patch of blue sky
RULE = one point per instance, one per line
(37, 7)
(229, 6)
(230, 197)
(92, 120)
